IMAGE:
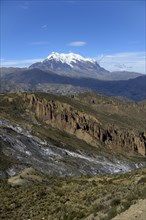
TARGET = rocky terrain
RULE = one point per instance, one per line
(87, 132)
(62, 156)
(85, 126)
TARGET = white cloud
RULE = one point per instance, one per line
(19, 63)
(77, 44)
(44, 27)
(130, 61)
(38, 43)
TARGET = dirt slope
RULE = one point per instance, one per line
(135, 212)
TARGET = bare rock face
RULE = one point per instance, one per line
(84, 126)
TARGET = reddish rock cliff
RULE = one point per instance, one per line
(65, 117)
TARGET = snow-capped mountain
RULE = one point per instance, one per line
(71, 64)
(69, 59)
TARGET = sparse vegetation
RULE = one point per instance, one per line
(71, 197)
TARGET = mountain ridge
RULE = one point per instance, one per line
(132, 89)
(71, 64)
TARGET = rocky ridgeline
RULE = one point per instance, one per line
(86, 127)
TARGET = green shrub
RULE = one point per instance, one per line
(126, 205)
(115, 202)
(112, 213)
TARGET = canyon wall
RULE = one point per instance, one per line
(86, 127)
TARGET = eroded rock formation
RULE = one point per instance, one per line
(65, 117)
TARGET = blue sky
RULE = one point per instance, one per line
(111, 31)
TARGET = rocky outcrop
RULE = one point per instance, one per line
(84, 126)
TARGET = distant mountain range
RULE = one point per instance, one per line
(75, 72)
(38, 80)
(77, 66)
(73, 65)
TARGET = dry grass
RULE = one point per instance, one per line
(71, 197)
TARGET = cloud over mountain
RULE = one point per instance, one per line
(125, 61)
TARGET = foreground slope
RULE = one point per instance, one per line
(33, 195)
